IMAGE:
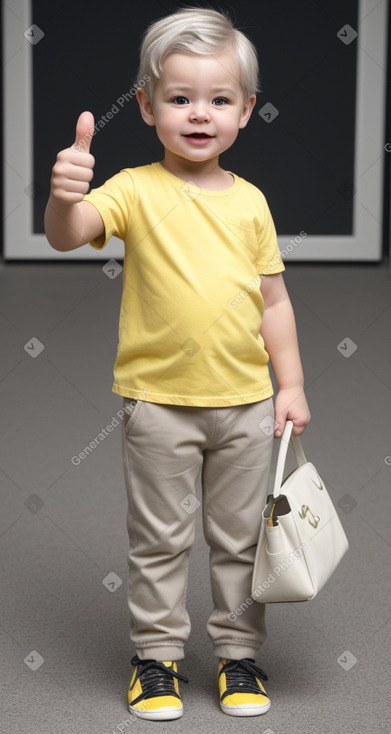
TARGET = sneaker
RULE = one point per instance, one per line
(154, 691)
(240, 687)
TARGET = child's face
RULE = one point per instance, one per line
(198, 106)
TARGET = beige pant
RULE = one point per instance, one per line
(165, 449)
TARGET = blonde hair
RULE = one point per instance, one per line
(196, 31)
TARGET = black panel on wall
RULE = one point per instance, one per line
(303, 160)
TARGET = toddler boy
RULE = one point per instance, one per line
(204, 307)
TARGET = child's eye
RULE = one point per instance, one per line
(180, 100)
(220, 101)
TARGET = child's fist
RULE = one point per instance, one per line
(73, 170)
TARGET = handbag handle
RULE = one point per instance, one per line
(295, 442)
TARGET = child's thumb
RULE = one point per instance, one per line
(84, 132)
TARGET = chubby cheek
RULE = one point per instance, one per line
(169, 124)
(167, 132)
(229, 129)
(228, 122)
(163, 122)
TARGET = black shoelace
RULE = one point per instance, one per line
(156, 679)
(241, 676)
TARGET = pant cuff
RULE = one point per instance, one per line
(235, 650)
(161, 651)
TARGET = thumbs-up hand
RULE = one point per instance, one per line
(73, 170)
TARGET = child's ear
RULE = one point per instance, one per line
(145, 107)
(247, 110)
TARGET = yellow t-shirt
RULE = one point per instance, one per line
(191, 305)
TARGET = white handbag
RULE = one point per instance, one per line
(301, 540)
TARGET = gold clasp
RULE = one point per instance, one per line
(305, 510)
(319, 486)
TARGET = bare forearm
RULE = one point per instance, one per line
(280, 336)
(63, 225)
(279, 333)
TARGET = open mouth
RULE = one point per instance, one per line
(198, 139)
(198, 135)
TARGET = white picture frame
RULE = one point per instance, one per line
(365, 242)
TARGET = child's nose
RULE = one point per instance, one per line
(199, 113)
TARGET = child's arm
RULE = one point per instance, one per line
(278, 331)
(71, 222)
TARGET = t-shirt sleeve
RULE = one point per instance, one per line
(114, 201)
(269, 259)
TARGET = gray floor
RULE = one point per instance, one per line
(64, 622)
